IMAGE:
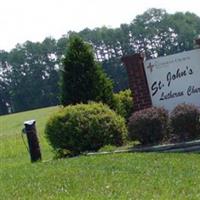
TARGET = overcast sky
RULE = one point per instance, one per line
(33, 20)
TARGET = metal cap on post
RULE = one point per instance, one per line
(33, 143)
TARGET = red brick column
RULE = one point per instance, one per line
(198, 41)
(137, 81)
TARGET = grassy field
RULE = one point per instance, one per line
(117, 176)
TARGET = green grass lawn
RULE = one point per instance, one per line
(116, 176)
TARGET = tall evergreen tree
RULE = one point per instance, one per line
(83, 78)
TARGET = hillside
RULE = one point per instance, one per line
(117, 176)
(11, 143)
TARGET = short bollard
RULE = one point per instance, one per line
(33, 143)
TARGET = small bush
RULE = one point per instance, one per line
(184, 121)
(123, 103)
(85, 127)
(148, 126)
(108, 148)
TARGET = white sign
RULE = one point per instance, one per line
(174, 79)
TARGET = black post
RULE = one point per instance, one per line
(33, 143)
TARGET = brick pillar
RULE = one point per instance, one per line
(197, 41)
(137, 81)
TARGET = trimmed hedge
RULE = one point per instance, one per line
(148, 126)
(85, 127)
(185, 121)
(123, 103)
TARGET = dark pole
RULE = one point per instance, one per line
(33, 143)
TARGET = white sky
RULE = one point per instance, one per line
(33, 20)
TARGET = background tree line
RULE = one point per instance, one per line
(29, 73)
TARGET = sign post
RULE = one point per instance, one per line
(33, 143)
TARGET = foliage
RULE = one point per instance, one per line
(4, 98)
(117, 73)
(148, 125)
(4, 84)
(123, 103)
(31, 75)
(185, 121)
(83, 79)
(85, 127)
(35, 65)
(108, 148)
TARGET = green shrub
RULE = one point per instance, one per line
(108, 148)
(184, 121)
(148, 126)
(85, 127)
(123, 103)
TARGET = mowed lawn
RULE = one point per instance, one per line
(115, 176)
